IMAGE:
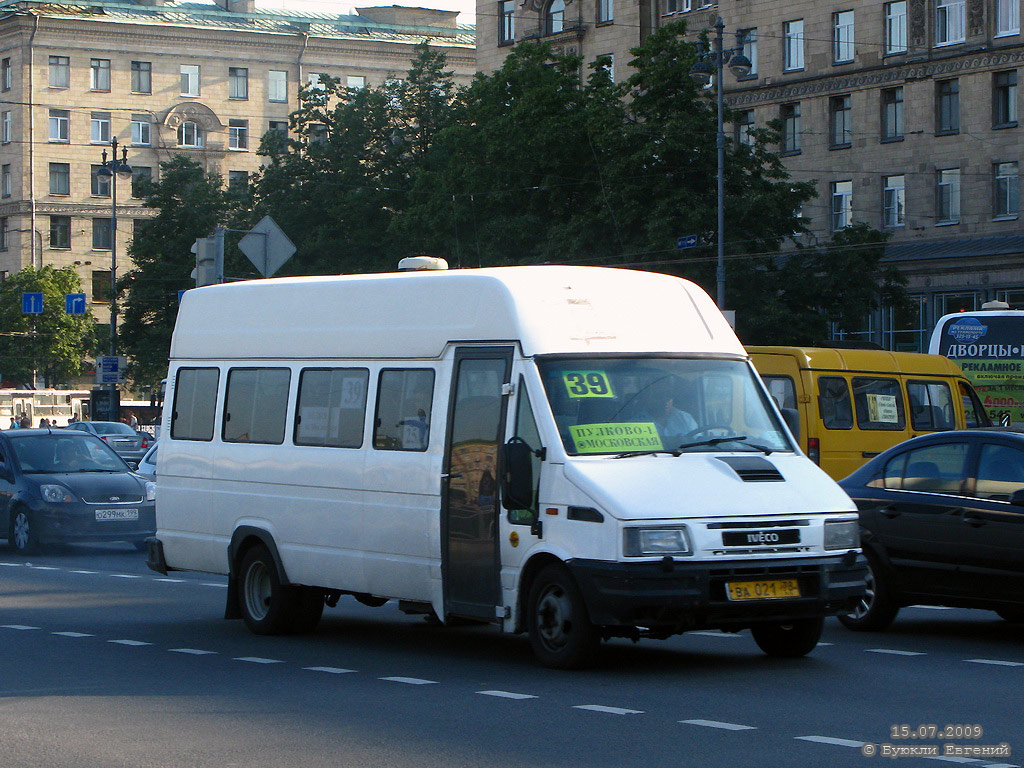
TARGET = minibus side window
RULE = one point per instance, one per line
(782, 390)
(195, 404)
(879, 403)
(974, 411)
(834, 402)
(931, 405)
(331, 408)
(256, 405)
(526, 428)
(402, 420)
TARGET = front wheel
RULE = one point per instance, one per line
(561, 634)
(788, 639)
(876, 609)
(22, 535)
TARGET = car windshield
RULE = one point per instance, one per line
(627, 406)
(112, 428)
(46, 454)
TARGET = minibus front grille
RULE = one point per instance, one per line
(753, 469)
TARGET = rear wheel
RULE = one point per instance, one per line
(789, 639)
(270, 607)
(876, 609)
(561, 634)
(22, 535)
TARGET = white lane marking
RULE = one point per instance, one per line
(193, 651)
(719, 724)
(932, 607)
(894, 652)
(83, 571)
(820, 644)
(13, 565)
(409, 680)
(124, 576)
(17, 626)
(128, 642)
(73, 634)
(830, 740)
(609, 710)
(44, 567)
(329, 670)
(258, 660)
(997, 662)
(710, 633)
(506, 695)
(212, 584)
(171, 581)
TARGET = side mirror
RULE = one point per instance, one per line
(792, 418)
(1017, 497)
(517, 475)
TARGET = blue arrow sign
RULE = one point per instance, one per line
(74, 303)
(687, 241)
(32, 303)
(180, 295)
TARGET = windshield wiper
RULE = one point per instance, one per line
(631, 454)
(712, 441)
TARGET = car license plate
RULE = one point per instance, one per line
(763, 590)
(117, 514)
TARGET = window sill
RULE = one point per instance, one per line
(142, 93)
(948, 133)
(605, 23)
(889, 54)
(793, 70)
(890, 140)
(834, 147)
(949, 43)
(238, 98)
(58, 141)
(1004, 126)
(100, 250)
(58, 247)
(147, 144)
(842, 63)
(59, 194)
(790, 152)
(190, 95)
(57, 87)
(238, 149)
(99, 142)
(285, 101)
(1006, 217)
(1011, 33)
(99, 90)
(951, 223)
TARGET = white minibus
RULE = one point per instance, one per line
(577, 453)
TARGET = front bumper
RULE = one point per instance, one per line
(77, 522)
(671, 596)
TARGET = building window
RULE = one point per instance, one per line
(101, 240)
(355, 82)
(748, 41)
(896, 27)
(507, 21)
(100, 183)
(100, 286)
(142, 175)
(607, 62)
(948, 196)
(238, 82)
(1007, 17)
(238, 134)
(6, 127)
(190, 135)
(1004, 99)
(6, 74)
(842, 37)
(318, 134)
(949, 21)
(5, 229)
(894, 201)
(60, 178)
(238, 180)
(842, 204)
(141, 128)
(554, 18)
(60, 72)
(605, 10)
(99, 128)
(947, 102)
(744, 124)
(839, 121)
(189, 79)
(142, 77)
(315, 81)
(277, 85)
(677, 6)
(790, 115)
(892, 113)
(1007, 191)
(60, 120)
(281, 126)
(99, 78)
(793, 45)
(60, 231)
(5, 180)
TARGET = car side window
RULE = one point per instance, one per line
(1000, 472)
(931, 405)
(879, 403)
(834, 402)
(782, 390)
(936, 468)
(892, 474)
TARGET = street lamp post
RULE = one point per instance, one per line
(114, 169)
(711, 63)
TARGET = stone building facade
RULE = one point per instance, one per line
(905, 114)
(164, 79)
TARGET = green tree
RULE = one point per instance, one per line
(190, 203)
(52, 346)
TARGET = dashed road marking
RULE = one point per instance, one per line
(719, 724)
(997, 662)
(17, 626)
(124, 576)
(44, 567)
(12, 565)
(330, 670)
(932, 607)
(258, 660)
(506, 695)
(192, 651)
(83, 571)
(171, 581)
(129, 642)
(73, 634)
(212, 584)
(409, 680)
(831, 740)
(894, 652)
(710, 633)
(608, 710)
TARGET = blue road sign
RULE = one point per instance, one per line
(180, 295)
(687, 241)
(74, 303)
(31, 303)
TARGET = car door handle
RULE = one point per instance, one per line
(890, 512)
(869, 454)
(450, 475)
(974, 522)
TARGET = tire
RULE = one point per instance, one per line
(269, 607)
(561, 634)
(789, 639)
(1012, 615)
(877, 609)
(22, 534)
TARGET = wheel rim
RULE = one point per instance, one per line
(22, 531)
(257, 591)
(867, 602)
(554, 618)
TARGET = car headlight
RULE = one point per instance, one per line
(150, 491)
(656, 541)
(56, 494)
(842, 535)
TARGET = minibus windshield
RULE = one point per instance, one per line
(638, 405)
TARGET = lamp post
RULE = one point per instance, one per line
(114, 169)
(711, 63)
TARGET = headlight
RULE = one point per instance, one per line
(842, 535)
(56, 494)
(150, 491)
(656, 541)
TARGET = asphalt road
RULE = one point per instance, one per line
(104, 663)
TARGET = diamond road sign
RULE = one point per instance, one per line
(267, 246)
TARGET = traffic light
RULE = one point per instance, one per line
(209, 261)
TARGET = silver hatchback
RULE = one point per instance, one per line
(126, 442)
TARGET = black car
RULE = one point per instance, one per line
(60, 486)
(942, 523)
